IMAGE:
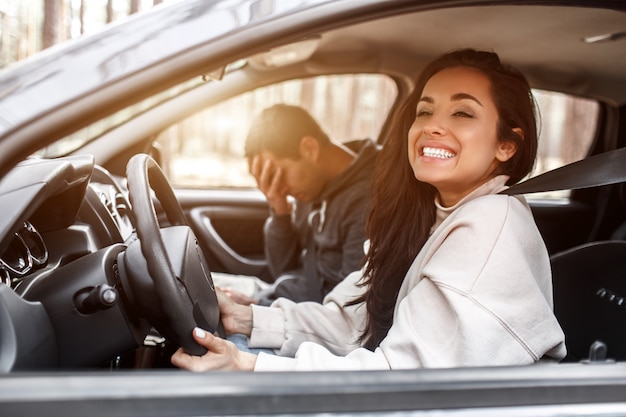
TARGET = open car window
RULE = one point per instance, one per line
(567, 130)
(207, 148)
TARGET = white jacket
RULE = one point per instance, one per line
(479, 293)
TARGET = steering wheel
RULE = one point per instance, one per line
(165, 268)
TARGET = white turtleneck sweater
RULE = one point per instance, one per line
(479, 293)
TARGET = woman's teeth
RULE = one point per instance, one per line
(438, 153)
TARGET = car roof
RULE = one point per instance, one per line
(546, 42)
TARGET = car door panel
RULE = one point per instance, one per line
(229, 227)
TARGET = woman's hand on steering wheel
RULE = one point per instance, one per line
(221, 355)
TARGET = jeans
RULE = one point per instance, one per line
(241, 341)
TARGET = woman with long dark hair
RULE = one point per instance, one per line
(455, 273)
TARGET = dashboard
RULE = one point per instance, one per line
(26, 251)
(62, 209)
(64, 227)
(84, 283)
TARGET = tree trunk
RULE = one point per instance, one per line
(110, 11)
(52, 23)
(81, 16)
(134, 6)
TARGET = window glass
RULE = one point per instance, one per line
(91, 132)
(567, 129)
(207, 148)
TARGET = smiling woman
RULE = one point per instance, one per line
(450, 145)
(441, 236)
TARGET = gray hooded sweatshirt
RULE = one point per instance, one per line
(316, 247)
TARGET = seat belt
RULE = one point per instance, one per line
(602, 169)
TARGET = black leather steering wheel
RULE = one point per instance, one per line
(165, 268)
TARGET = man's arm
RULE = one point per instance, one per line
(281, 238)
(282, 247)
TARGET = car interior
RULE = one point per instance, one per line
(103, 229)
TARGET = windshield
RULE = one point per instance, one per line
(89, 133)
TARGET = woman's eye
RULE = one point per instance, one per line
(462, 113)
(422, 113)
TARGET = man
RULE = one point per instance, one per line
(318, 192)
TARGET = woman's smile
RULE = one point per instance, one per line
(437, 153)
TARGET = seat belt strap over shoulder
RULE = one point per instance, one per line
(598, 170)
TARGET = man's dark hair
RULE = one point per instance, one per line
(279, 130)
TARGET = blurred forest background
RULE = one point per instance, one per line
(28, 26)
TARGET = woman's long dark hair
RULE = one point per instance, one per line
(403, 209)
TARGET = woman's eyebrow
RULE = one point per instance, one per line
(455, 97)
(465, 96)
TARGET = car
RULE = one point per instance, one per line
(122, 178)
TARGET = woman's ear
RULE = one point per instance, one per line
(309, 148)
(507, 148)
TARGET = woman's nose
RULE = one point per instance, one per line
(433, 128)
(434, 125)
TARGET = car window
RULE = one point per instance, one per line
(567, 129)
(93, 131)
(207, 148)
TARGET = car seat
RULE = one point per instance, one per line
(589, 284)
